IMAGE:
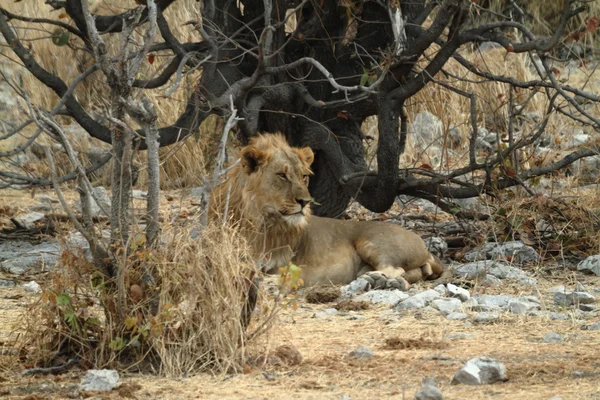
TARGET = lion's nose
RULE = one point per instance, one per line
(302, 202)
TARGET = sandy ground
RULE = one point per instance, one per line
(536, 370)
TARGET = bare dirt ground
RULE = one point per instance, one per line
(426, 346)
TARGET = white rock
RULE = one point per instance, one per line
(523, 305)
(31, 220)
(32, 287)
(456, 316)
(456, 291)
(362, 352)
(100, 380)
(479, 371)
(485, 317)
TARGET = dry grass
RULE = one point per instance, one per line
(202, 289)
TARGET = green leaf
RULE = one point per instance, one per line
(364, 79)
(60, 37)
(63, 299)
(372, 79)
(117, 344)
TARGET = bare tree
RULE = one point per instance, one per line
(342, 62)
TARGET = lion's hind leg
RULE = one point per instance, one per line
(384, 274)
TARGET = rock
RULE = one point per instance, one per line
(554, 316)
(461, 336)
(558, 289)
(456, 316)
(326, 313)
(77, 243)
(587, 169)
(429, 391)
(470, 204)
(24, 257)
(590, 265)
(523, 305)
(418, 301)
(41, 208)
(593, 327)
(447, 306)
(456, 291)
(385, 297)
(100, 380)
(588, 307)
(490, 281)
(427, 128)
(32, 287)
(485, 317)
(471, 303)
(354, 288)
(573, 298)
(362, 352)
(31, 220)
(516, 250)
(139, 194)
(437, 246)
(102, 195)
(47, 199)
(494, 301)
(6, 283)
(480, 371)
(441, 289)
(552, 337)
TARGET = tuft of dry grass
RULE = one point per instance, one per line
(201, 285)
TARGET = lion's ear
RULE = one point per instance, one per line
(252, 158)
(306, 155)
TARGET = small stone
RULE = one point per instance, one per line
(456, 316)
(461, 336)
(588, 307)
(354, 288)
(554, 316)
(490, 281)
(326, 313)
(471, 303)
(6, 283)
(100, 380)
(456, 291)
(32, 287)
(558, 289)
(429, 391)
(552, 337)
(573, 298)
(447, 306)
(31, 220)
(499, 269)
(47, 199)
(593, 327)
(362, 352)
(441, 289)
(497, 301)
(485, 317)
(590, 265)
(479, 371)
(523, 305)
(139, 194)
(419, 300)
(385, 297)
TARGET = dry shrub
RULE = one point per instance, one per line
(398, 343)
(182, 164)
(202, 287)
(545, 15)
(558, 227)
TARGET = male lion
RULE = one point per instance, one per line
(268, 196)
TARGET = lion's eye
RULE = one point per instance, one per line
(282, 176)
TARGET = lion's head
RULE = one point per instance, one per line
(275, 180)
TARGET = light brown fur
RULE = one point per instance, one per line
(269, 199)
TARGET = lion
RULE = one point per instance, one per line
(267, 195)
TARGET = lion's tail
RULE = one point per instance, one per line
(437, 267)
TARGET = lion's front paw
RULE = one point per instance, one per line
(378, 280)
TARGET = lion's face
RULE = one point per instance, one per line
(277, 182)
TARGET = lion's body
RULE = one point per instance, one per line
(269, 199)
